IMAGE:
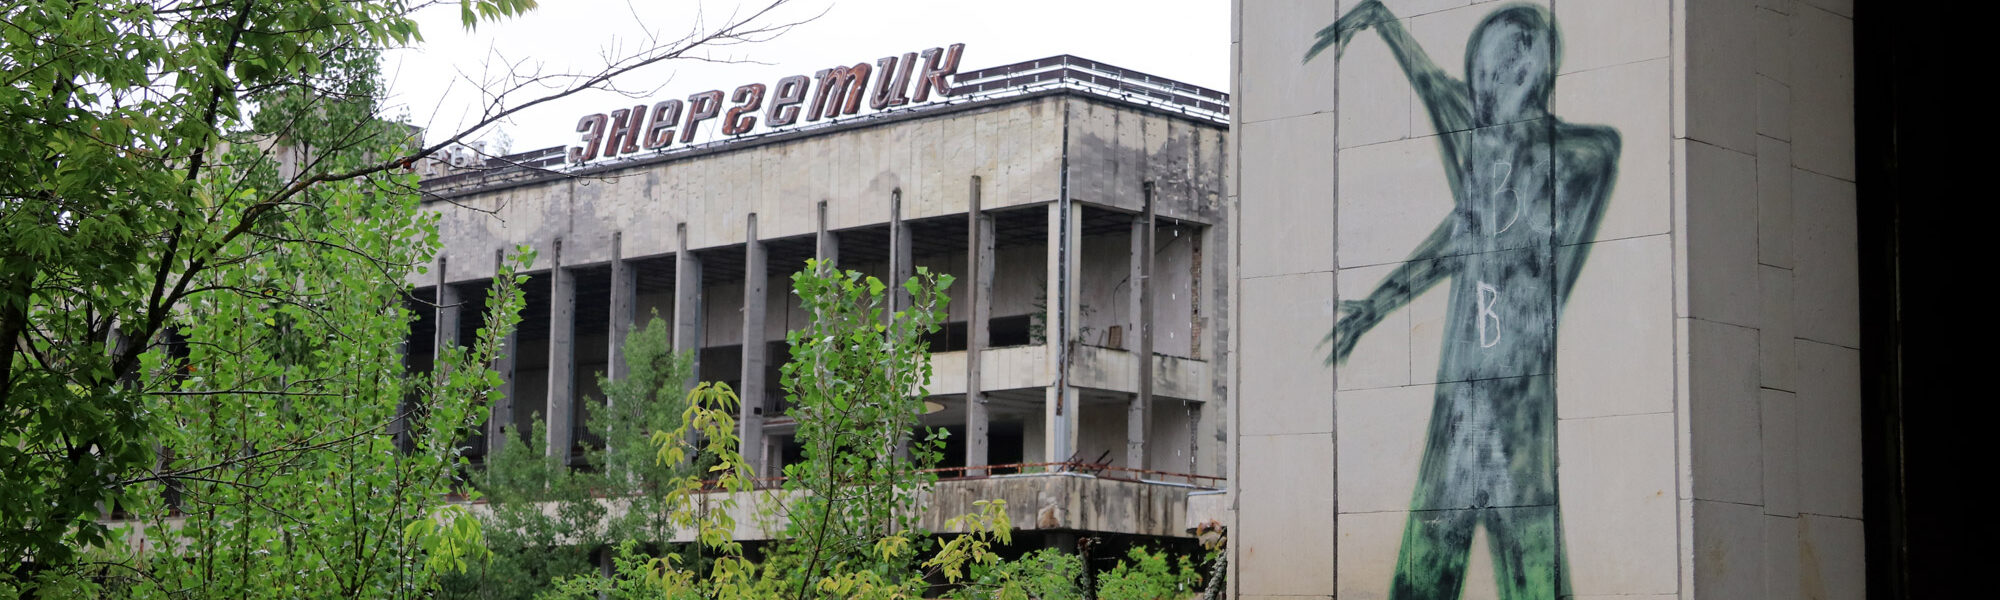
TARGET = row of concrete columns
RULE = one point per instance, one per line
(1065, 234)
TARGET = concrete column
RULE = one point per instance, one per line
(900, 268)
(827, 247)
(1219, 288)
(561, 407)
(446, 333)
(750, 418)
(624, 306)
(500, 415)
(900, 271)
(979, 291)
(447, 316)
(624, 301)
(687, 303)
(1060, 404)
(1139, 414)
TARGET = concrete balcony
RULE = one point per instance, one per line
(1092, 367)
(1036, 502)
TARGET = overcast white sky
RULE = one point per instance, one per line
(1187, 40)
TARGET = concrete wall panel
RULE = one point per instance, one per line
(1281, 87)
(1618, 493)
(1285, 515)
(1285, 386)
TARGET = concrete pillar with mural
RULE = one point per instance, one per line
(1589, 329)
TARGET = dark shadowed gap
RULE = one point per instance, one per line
(1921, 328)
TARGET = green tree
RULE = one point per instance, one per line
(855, 382)
(546, 521)
(706, 426)
(137, 198)
(204, 229)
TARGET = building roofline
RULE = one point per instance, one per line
(1062, 75)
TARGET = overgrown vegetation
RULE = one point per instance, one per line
(205, 225)
(533, 546)
(854, 383)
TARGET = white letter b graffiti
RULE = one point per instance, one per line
(1488, 296)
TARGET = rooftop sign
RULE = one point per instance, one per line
(834, 91)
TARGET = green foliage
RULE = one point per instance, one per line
(530, 546)
(1046, 574)
(1149, 575)
(546, 521)
(203, 238)
(856, 386)
(975, 548)
(707, 426)
(971, 566)
(448, 537)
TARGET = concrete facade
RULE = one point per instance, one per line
(1047, 203)
(1600, 337)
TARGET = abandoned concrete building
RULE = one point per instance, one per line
(1079, 206)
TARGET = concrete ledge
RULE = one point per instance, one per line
(1117, 370)
(1035, 502)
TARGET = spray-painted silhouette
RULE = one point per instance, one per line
(1528, 191)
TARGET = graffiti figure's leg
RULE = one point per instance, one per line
(1524, 531)
(1431, 564)
(1527, 552)
(1459, 468)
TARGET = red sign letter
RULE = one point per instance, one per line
(938, 65)
(836, 84)
(701, 107)
(666, 115)
(748, 99)
(785, 105)
(893, 87)
(625, 128)
(592, 128)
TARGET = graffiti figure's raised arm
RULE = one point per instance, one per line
(1423, 269)
(1447, 100)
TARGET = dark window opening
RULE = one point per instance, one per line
(1003, 446)
(950, 337)
(1002, 332)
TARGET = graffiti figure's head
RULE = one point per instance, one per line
(1510, 64)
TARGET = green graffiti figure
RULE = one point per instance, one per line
(1528, 192)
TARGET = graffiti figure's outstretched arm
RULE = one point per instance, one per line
(1425, 268)
(1447, 99)
(1586, 169)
